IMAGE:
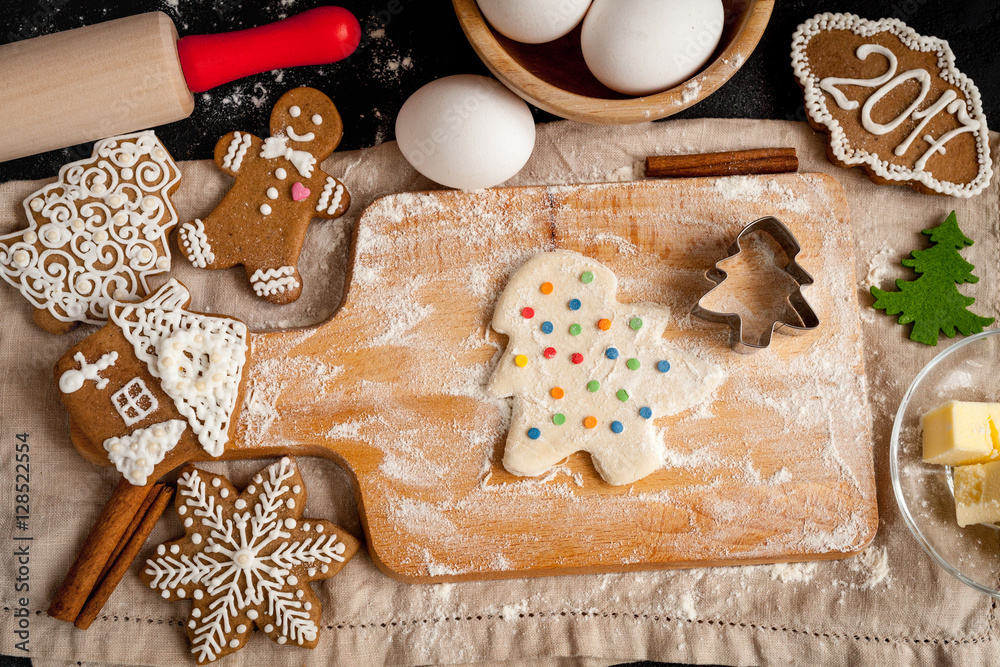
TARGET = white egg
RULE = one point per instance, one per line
(639, 47)
(466, 132)
(534, 21)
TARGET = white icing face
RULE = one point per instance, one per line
(90, 214)
(294, 111)
(294, 136)
(586, 372)
(317, 119)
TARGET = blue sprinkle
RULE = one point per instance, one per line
(663, 366)
(547, 327)
(617, 427)
(534, 433)
(574, 304)
(611, 353)
(645, 413)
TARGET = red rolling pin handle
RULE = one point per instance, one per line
(315, 37)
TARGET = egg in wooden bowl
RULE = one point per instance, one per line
(555, 77)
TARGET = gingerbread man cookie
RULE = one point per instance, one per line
(893, 103)
(246, 559)
(95, 234)
(157, 377)
(261, 222)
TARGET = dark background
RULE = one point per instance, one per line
(422, 41)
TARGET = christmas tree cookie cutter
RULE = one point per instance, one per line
(806, 318)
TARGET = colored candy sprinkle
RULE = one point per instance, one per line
(622, 395)
(546, 288)
(557, 392)
(575, 329)
(586, 277)
(521, 360)
(549, 352)
(645, 413)
(574, 304)
(534, 433)
(547, 327)
(663, 366)
(593, 386)
(527, 312)
(558, 419)
(590, 422)
(633, 364)
(576, 358)
(635, 323)
(611, 353)
(603, 324)
(616, 426)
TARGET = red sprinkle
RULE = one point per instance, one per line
(576, 358)
(549, 352)
(527, 312)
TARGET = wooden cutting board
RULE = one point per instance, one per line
(778, 467)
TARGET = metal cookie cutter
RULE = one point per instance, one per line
(806, 317)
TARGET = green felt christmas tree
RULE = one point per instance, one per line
(932, 302)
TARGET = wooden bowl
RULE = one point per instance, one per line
(554, 77)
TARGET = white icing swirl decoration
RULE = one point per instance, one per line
(94, 236)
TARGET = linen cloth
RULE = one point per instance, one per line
(890, 605)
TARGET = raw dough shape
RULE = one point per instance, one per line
(246, 559)
(261, 223)
(626, 400)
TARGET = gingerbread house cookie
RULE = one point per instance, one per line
(261, 222)
(96, 234)
(893, 103)
(157, 378)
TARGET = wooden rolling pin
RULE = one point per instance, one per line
(133, 73)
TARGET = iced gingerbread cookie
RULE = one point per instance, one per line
(96, 234)
(156, 377)
(246, 560)
(893, 103)
(261, 223)
(588, 373)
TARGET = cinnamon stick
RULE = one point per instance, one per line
(101, 543)
(729, 163)
(160, 499)
(132, 526)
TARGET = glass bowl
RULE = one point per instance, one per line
(966, 371)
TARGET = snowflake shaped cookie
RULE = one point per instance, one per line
(246, 559)
(588, 373)
(96, 234)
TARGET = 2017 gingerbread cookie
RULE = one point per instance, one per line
(894, 103)
(261, 223)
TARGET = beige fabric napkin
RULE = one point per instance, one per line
(891, 605)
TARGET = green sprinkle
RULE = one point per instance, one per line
(593, 386)
(586, 277)
(558, 419)
(635, 323)
(575, 329)
(622, 395)
(633, 364)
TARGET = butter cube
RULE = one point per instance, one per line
(977, 493)
(960, 433)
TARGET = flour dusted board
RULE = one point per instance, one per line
(777, 467)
